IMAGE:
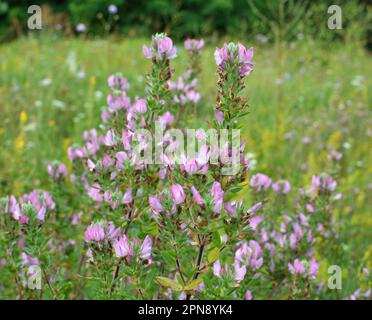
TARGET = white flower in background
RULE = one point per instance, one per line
(357, 81)
(80, 74)
(112, 9)
(98, 95)
(72, 62)
(250, 156)
(46, 82)
(81, 27)
(58, 104)
(38, 104)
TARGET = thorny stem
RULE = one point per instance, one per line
(179, 265)
(198, 262)
(115, 277)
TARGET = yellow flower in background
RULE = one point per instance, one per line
(360, 199)
(92, 81)
(23, 117)
(335, 139)
(51, 123)
(19, 143)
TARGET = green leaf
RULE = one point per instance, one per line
(169, 283)
(193, 284)
(213, 255)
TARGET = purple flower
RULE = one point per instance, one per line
(122, 248)
(145, 253)
(196, 196)
(194, 45)
(140, 106)
(127, 198)
(94, 193)
(218, 195)
(245, 57)
(94, 232)
(217, 269)
(235, 54)
(219, 115)
(309, 208)
(260, 182)
(240, 271)
(255, 208)
(162, 45)
(281, 187)
(177, 194)
(248, 295)
(155, 204)
(166, 119)
(126, 138)
(230, 208)
(57, 171)
(313, 267)
(296, 268)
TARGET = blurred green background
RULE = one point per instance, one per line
(309, 93)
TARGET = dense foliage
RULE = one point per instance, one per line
(282, 19)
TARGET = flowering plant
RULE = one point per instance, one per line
(155, 212)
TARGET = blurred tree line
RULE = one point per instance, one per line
(277, 20)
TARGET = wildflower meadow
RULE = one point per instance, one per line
(185, 168)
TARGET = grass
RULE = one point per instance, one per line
(306, 99)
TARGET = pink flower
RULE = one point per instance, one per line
(189, 165)
(177, 193)
(94, 232)
(109, 139)
(245, 57)
(57, 171)
(309, 208)
(260, 182)
(228, 54)
(219, 115)
(122, 248)
(140, 106)
(296, 268)
(281, 187)
(221, 55)
(165, 46)
(255, 208)
(126, 138)
(162, 45)
(118, 82)
(127, 198)
(240, 271)
(155, 204)
(194, 44)
(145, 253)
(218, 195)
(217, 270)
(196, 196)
(248, 295)
(230, 208)
(166, 119)
(313, 268)
(41, 214)
(94, 193)
(148, 52)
